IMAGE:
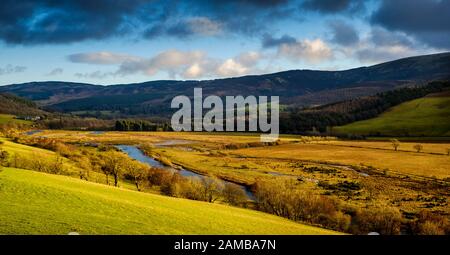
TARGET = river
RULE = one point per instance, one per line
(135, 153)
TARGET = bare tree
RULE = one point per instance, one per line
(137, 172)
(418, 147)
(395, 143)
(211, 188)
(113, 165)
(233, 194)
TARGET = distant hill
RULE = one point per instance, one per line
(427, 116)
(295, 88)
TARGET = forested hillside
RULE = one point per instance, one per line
(323, 118)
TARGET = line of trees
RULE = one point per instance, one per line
(140, 125)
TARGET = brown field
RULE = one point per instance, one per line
(402, 178)
(423, 164)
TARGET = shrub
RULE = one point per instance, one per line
(191, 188)
(386, 221)
(418, 147)
(284, 199)
(170, 185)
(429, 223)
(430, 228)
(4, 157)
(233, 194)
(158, 176)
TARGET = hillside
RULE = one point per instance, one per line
(296, 87)
(7, 118)
(37, 203)
(11, 104)
(322, 118)
(427, 116)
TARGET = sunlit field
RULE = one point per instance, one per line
(37, 203)
(361, 177)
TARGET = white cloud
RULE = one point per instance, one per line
(102, 58)
(231, 67)
(192, 65)
(194, 71)
(310, 51)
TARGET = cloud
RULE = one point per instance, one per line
(48, 21)
(186, 28)
(185, 64)
(382, 45)
(56, 71)
(60, 22)
(382, 54)
(171, 61)
(10, 69)
(383, 37)
(231, 67)
(102, 58)
(425, 20)
(310, 51)
(268, 41)
(343, 33)
(333, 6)
(250, 58)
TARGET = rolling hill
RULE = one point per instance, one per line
(38, 203)
(14, 105)
(295, 87)
(426, 116)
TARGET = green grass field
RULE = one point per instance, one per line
(427, 116)
(6, 118)
(38, 203)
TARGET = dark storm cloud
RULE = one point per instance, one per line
(426, 20)
(52, 21)
(333, 6)
(343, 33)
(268, 41)
(248, 17)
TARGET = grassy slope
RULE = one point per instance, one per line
(6, 118)
(38, 203)
(33, 152)
(427, 116)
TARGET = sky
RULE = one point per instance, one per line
(127, 41)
